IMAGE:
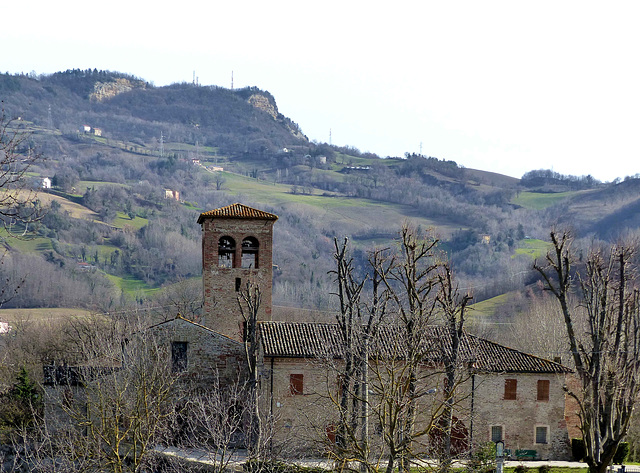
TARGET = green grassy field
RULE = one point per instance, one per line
(27, 245)
(122, 220)
(553, 469)
(14, 315)
(487, 308)
(533, 248)
(130, 285)
(81, 186)
(540, 200)
(349, 213)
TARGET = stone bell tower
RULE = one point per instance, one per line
(237, 245)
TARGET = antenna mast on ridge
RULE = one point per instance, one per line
(231, 80)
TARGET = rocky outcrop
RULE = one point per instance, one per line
(263, 103)
(107, 90)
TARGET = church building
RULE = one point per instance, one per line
(510, 395)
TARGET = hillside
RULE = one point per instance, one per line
(113, 236)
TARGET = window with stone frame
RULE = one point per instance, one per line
(497, 433)
(543, 390)
(296, 383)
(542, 434)
(510, 389)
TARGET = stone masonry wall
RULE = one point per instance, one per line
(302, 419)
(520, 417)
(209, 354)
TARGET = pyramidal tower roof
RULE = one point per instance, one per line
(237, 211)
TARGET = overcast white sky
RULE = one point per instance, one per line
(505, 86)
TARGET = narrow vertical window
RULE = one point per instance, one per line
(543, 390)
(510, 389)
(331, 433)
(496, 433)
(238, 284)
(296, 383)
(178, 357)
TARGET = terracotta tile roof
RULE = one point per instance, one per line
(237, 211)
(310, 340)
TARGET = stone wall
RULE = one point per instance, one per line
(208, 354)
(305, 416)
(520, 417)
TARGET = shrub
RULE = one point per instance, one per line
(544, 469)
(483, 459)
(271, 466)
(520, 469)
(621, 453)
(578, 450)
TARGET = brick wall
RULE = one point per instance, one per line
(221, 311)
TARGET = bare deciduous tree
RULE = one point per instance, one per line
(386, 375)
(249, 300)
(18, 204)
(604, 339)
(357, 323)
(108, 413)
(454, 310)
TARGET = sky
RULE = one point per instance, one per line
(502, 86)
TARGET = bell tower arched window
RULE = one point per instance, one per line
(250, 247)
(226, 252)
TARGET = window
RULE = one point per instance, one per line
(510, 389)
(250, 252)
(331, 433)
(178, 357)
(496, 433)
(226, 252)
(543, 390)
(542, 434)
(238, 284)
(296, 383)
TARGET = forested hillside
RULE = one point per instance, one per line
(112, 236)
